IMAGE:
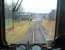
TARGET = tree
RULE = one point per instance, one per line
(52, 15)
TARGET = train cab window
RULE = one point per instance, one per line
(30, 20)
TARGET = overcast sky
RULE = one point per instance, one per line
(38, 6)
(42, 6)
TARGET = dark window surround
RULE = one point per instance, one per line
(60, 18)
(2, 25)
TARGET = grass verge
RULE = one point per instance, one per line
(50, 27)
(19, 32)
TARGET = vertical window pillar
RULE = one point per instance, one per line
(2, 25)
(60, 18)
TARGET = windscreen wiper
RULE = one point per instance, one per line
(17, 7)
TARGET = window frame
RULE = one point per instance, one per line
(3, 42)
(60, 22)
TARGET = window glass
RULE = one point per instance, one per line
(30, 20)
